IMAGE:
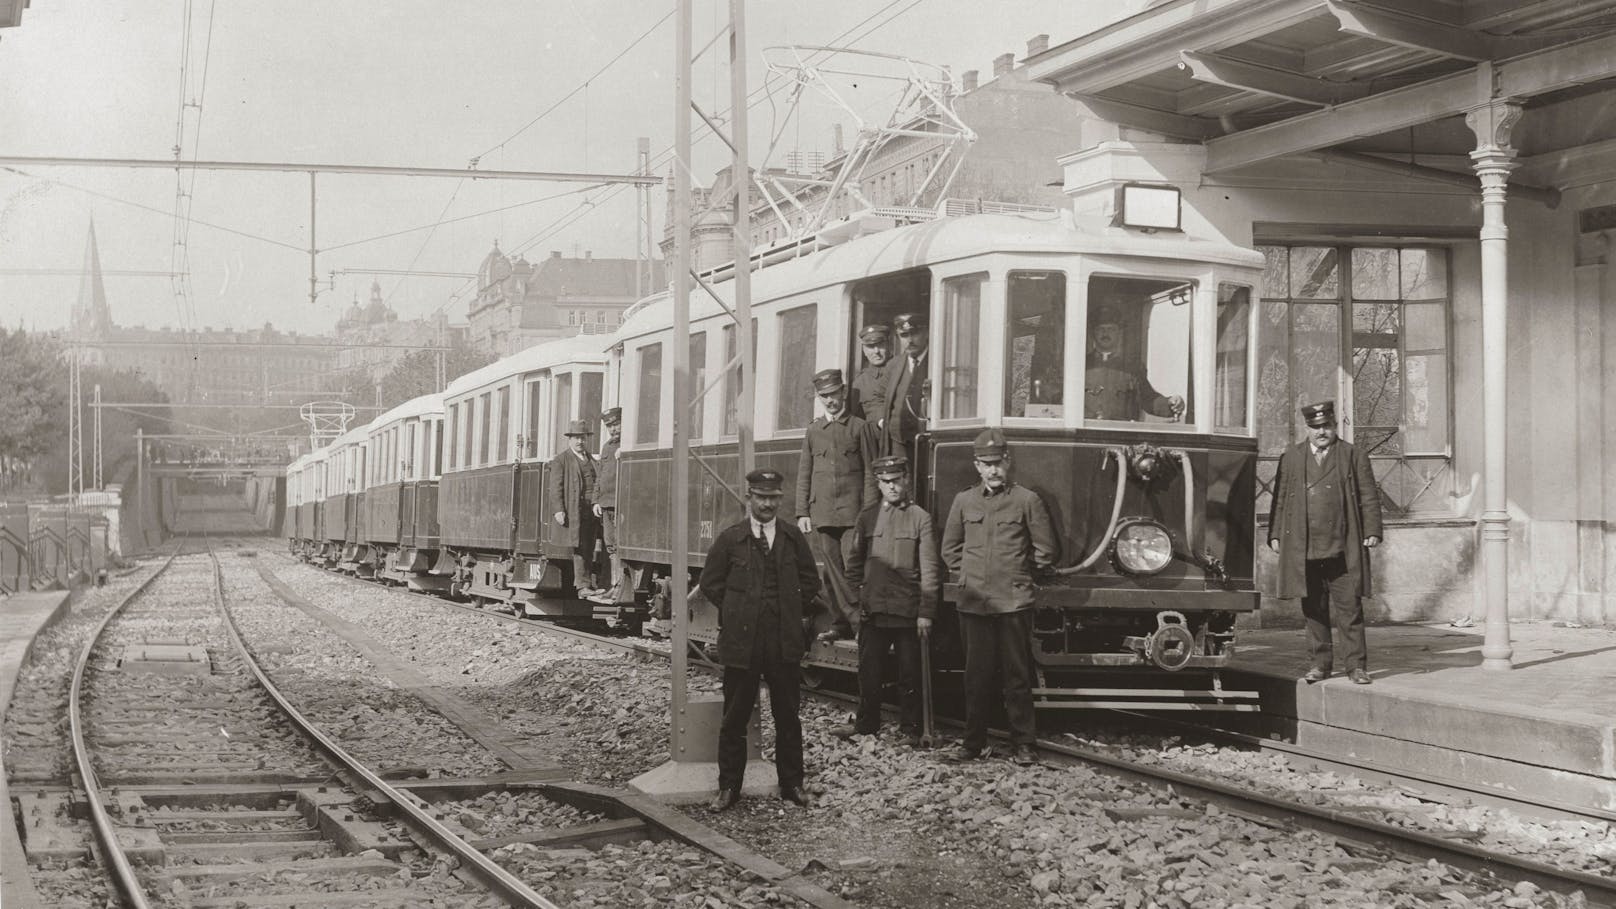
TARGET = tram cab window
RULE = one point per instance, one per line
(1036, 344)
(962, 325)
(1234, 352)
(1138, 364)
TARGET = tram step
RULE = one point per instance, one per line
(335, 865)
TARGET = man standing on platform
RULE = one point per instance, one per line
(893, 564)
(760, 573)
(606, 498)
(1326, 518)
(905, 413)
(999, 539)
(572, 489)
(868, 398)
(834, 484)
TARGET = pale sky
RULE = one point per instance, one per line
(405, 82)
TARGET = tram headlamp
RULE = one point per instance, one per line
(1142, 547)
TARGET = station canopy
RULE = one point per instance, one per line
(1383, 85)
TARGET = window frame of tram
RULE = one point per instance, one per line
(1362, 304)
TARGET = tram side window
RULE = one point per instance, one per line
(794, 403)
(485, 417)
(563, 411)
(503, 426)
(1234, 356)
(1140, 348)
(454, 434)
(698, 382)
(1036, 344)
(962, 317)
(534, 402)
(648, 422)
(732, 379)
(589, 396)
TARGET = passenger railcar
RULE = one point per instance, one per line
(404, 449)
(341, 510)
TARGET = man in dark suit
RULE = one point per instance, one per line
(1326, 518)
(834, 484)
(572, 490)
(868, 399)
(760, 574)
(905, 412)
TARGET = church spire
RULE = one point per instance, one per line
(91, 315)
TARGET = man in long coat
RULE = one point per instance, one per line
(572, 493)
(1326, 519)
(605, 499)
(834, 484)
(760, 574)
(905, 412)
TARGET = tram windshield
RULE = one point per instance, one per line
(1138, 365)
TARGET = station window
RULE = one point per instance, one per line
(647, 423)
(1377, 315)
(962, 325)
(794, 401)
(1035, 342)
(1140, 350)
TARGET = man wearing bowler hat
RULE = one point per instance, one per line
(868, 399)
(760, 574)
(834, 484)
(893, 564)
(1326, 518)
(905, 411)
(999, 538)
(605, 498)
(572, 489)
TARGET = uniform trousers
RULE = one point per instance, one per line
(1332, 600)
(608, 536)
(740, 699)
(998, 648)
(874, 642)
(827, 545)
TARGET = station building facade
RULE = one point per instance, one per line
(520, 303)
(1434, 188)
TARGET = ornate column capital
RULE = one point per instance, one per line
(1492, 123)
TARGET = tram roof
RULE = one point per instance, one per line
(414, 407)
(544, 355)
(936, 242)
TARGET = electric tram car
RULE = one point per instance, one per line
(1153, 506)
(403, 448)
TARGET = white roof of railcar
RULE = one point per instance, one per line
(576, 349)
(932, 243)
(414, 407)
(351, 437)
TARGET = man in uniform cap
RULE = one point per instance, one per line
(572, 493)
(1325, 520)
(760, 574)
(606, 499)
(999, 539)
(905, 411)
(833, 485)
(868, 399)
(1116, 389)
(893, 564)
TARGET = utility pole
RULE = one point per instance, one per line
(643, 248)
(99, 485)
(75, 428)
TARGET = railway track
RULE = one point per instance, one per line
(1355, 827)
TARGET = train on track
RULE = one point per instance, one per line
(1154, 513)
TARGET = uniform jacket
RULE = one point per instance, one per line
(1361, 506)
(732, 580)
(606, 475)
(868, 398)
(834, 481)
(896, 569)
(998, 544)
(904, 411)
(572, 487)
(1114, 392)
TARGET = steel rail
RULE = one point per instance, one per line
(105, 832)
(506, 885)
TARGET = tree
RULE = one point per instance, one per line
(33, 399)
(416, 373)
(118, 426)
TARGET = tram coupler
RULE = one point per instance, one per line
(1170, 646)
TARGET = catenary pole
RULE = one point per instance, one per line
(679, 581)
(741, 176)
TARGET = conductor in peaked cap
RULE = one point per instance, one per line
(1325, 520)
(905, 412)
(605, 500)
(1115, 386)
(760, 574)
(998, 538)
(868, 397)
(572, 494)
(834, 484)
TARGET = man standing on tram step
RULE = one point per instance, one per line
(868, 399)
(760, 574)
(834, 484)
(572, 489)
(999, 539)
(905, 414)
(1326, 519)
(893, 563)
(606, 499)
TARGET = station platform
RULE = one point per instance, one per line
(1544, 730)
(22, 617)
